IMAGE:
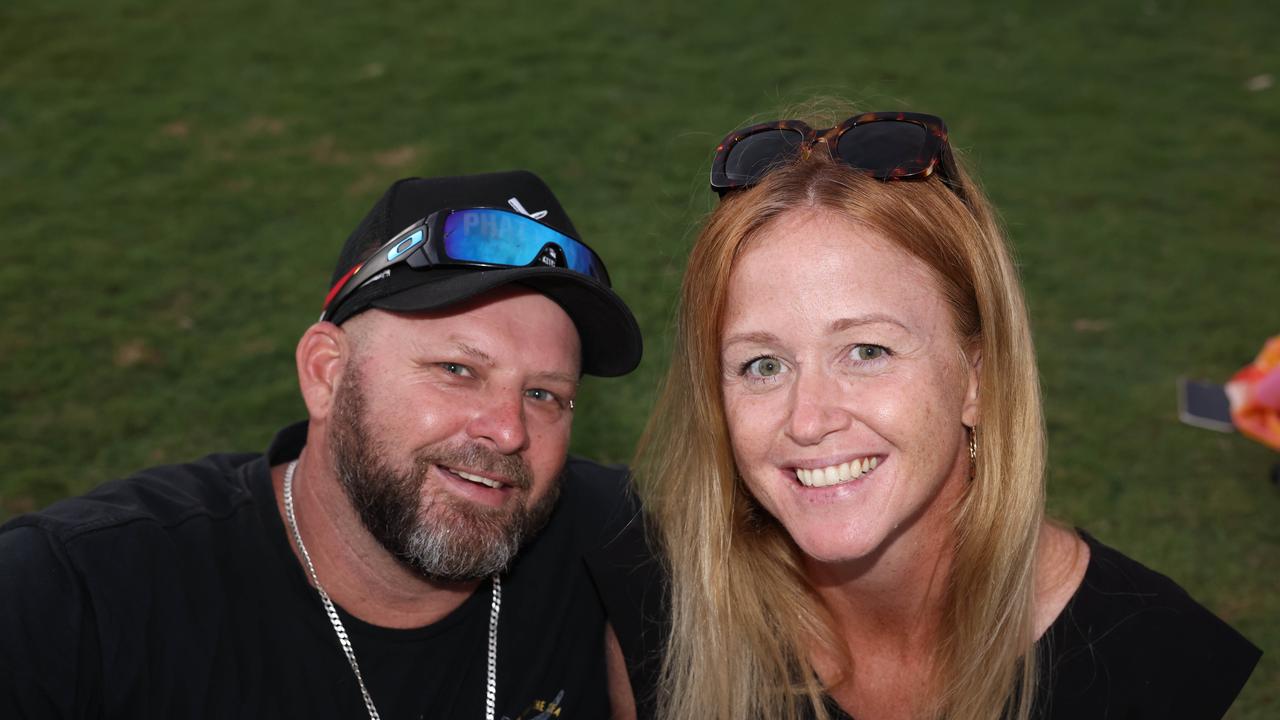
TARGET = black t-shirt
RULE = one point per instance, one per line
(1133, 645)
(175, 594)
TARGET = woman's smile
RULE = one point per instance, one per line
(847, 404)
(836, 474)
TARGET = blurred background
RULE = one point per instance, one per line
(176, 180)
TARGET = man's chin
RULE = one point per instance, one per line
(456, 541)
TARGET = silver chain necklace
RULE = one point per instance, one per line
(491, 690)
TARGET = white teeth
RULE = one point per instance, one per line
(477, 479)
(833, 474)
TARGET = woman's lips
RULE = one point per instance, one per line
(836, 474)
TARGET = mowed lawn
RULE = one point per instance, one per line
(176, 180)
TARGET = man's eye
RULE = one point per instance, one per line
(549, 401)
(456, 369)
(763, 367)
(540, 395)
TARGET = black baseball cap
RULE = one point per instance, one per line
(610, 337)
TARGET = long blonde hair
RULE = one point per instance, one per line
(745, 621)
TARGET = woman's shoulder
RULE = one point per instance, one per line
(1132, 640)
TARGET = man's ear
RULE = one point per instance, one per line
(322, 353)
(972, 399)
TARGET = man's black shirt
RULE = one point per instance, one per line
(175, 593)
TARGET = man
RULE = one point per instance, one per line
(419, 548)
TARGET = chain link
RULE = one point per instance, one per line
(491, 689)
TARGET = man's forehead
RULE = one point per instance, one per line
(517, 329)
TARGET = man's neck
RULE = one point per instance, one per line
(355, 569)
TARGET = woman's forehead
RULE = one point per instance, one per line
(815, 274)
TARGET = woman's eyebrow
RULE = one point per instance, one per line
(863, 320)
(757, 337)
(760, 337)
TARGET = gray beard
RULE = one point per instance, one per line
(442, 539)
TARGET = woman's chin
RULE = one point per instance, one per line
(846, 549)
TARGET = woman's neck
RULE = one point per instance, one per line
(894, 598)
(887, 612)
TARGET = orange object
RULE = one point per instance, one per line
(1254, 393)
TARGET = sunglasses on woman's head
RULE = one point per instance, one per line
(884, 145)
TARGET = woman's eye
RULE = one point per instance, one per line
(869, 352)
(764, 367)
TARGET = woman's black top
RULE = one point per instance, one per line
(1131, 644)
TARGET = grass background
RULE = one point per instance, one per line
(176, 179)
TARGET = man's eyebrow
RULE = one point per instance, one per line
(558, 377)
(473, 352)
(484, 358)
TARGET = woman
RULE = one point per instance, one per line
(846, 464)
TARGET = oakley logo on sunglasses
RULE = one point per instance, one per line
(470, 237)
(515, 205)
(405, 245)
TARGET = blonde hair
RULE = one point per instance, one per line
(744, 618)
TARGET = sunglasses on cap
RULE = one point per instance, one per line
(472, 237)
(884, 145)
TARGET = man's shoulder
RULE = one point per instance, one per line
(628, 576)
(597, 478)
(128, 596)
(597, 496)
(165, 496)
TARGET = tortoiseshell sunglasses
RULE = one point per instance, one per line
(885, 145)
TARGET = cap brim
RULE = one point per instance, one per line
(611, 341)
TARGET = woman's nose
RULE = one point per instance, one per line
(817, 408)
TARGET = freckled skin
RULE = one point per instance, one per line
(861, 359)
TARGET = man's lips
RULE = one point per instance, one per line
(496, 483)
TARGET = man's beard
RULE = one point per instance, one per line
(441, 537)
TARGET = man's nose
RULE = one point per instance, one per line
(499, 419)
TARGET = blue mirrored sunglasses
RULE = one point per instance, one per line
(471, 237)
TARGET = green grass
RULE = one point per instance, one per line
(177, 179)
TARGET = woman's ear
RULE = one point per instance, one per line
(321, 354)
(972, 399)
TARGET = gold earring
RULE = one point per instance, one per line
(973, 452)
